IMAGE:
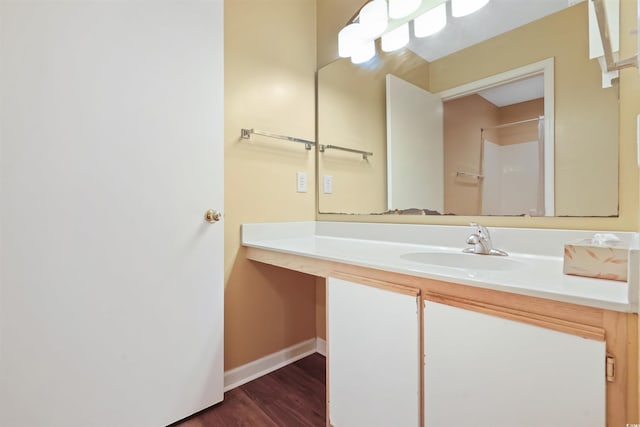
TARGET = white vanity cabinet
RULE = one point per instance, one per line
(484, 370)
(374, 354)
(546, 350)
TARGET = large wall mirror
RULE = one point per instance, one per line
(512, 121)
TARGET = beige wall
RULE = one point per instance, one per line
(463, 118)
(270, 60)
(514, 113)
(321, 315)
(352, 113)
(353, 103)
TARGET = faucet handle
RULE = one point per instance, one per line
(481, 231)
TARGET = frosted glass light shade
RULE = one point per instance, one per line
(348, 39)
(431, 21)
(363, 52)
(396, 38)
(400, 8)
(373, 19)
(465, 7)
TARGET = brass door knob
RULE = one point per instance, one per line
(212, 216)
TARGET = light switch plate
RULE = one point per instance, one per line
(328, 184)
(301, 182)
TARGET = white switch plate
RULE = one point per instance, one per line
(301, 182)
(328, 184)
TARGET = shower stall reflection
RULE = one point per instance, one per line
(512, 168)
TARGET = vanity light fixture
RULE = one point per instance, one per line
(466, 7)
(431, 21)
(390, 21)
(396, 38)
(373, 19)
(399, 9)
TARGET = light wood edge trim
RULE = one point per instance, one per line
(633, 363)
(618, 395)
(380, 284)
(573, 328)
(422, 363)
(289, 261)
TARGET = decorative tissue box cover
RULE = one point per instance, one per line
(584, 258)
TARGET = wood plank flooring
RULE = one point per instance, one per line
(293, 396)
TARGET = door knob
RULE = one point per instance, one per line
(212, 216)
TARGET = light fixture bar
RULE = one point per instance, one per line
(399, 9)
(431, 21)
(424, 7)
(356, 38)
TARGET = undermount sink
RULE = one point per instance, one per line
(463, 261)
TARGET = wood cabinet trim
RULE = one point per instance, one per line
(548, 322)
(380, 284)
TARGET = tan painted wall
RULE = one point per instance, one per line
(629, 107)
(354, 105)
(352, 113)
(463, 118)
(270, 61)
(514, 113)
(321, 315)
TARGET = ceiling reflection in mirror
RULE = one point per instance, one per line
(482, 151)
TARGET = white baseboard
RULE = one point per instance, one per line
(321, 346)
(243, 374)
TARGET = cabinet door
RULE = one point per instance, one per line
(374, 356)
(482, 370)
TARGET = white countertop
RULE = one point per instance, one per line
(381, 246)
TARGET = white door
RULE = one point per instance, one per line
(374, 356)
(111, 302)
(415, 150)
(482, 370)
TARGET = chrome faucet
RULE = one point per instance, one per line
(481, 241)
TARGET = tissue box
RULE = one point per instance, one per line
(583, 258)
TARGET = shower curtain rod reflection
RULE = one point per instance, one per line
(535, 119)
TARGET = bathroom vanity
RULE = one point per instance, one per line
(419, 333)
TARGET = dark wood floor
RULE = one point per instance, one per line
(293, 396)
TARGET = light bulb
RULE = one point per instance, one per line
(430, 22)
(465, 7)
(396, 38)
(348, 39)
(400, 8)
(363, 52)
(373, 19)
